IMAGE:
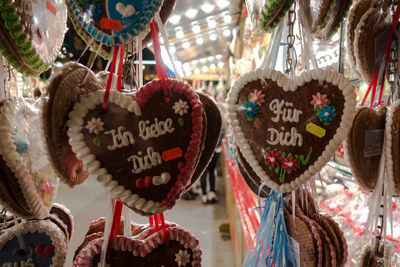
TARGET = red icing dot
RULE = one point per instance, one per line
(148, 181)
(140, 183)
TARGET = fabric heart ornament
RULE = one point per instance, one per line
(365, 145)
(46, 245)
(144, 150)
(287, 129)
(27, 181)
(149, 249)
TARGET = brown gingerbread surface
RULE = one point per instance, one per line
(336, 15)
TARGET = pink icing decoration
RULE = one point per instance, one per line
(319, 101)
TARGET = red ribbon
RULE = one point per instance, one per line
(161, 72)
(374, 81)
(111, 74)
(157, 220)
(115, 225)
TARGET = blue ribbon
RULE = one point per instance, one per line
(271, 245)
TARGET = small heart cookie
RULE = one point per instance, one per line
(287, 129)
(64, 214)
(64, 88)
(368, 126)
(148, 250)
(137, 143)
(46, 245)
(24, 166)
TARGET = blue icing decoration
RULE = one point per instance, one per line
(21, 145)
(10, 252)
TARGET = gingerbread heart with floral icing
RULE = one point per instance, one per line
(148, 250)
(144, 150)
(287, 129)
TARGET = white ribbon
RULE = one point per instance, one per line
(18, 234)
(107, 231)
(127, 222)
(273, 48)
(161, 29)
(306, 42)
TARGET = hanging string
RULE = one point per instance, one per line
(18, 234)
(115, 225)
(120, 67)
(127, 223)
(140, 65)
(384, 58)
(107, 231)
(110, 78)
(166, 44)
(164, 228)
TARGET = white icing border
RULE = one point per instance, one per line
(83, 153)
(358, 31)
(388, 145)
(16, 163)
(140, 247)
(56, 235)
(291, 85)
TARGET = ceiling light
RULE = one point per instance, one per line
(220, 64)
(196, 28)
(204, 69)
(223, 3)
(199, 41)
(194, 62)
(211, 22)
(203, 60)
(188, 74)
(207, 7)
(218, 56)
(227, 33)
(186, 66)
(191, 13)
(179, 33)
(227, 18)
(197, 71)
(213, 36)
(210, 58)
(174, 19)
(172, 49)
(213, 67)
(186, 45)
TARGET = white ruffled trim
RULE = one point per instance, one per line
(292, 85)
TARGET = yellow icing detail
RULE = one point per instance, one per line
(315, 130)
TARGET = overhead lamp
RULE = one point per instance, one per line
(179, 33)
(172, 49)
(220, 64)
(227, 33)
(223, 4)
(227, 18)
(211, 22)
(188, 74)
(213, 36)
(186, 66)
(186, 45)
(197, 71)
(213, 67)
(196, 27)
(200, 41)
(174, 19)
(203, 60)
(210, 58)
(207, 7)
(191, 13)
(194, 62)
(218, 56)
(204, 69)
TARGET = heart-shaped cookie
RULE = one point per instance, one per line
(45, 243)
(31, 33)
(65, 87)
(64, 215)
(392, 144)
(212, 135)
(113, 22)
(25, 170)
(148, 250)
(287, 129)
(364, 145)
(135, 144)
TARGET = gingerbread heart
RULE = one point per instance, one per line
(287, 129)
(392, 143)
(24, 166)
(144, 150)
(148, 250)
(64, 88)
(113, 22)
(32, 33)
(45, 244)
(365, 145)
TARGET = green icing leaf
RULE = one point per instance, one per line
(181, 121)
(96, 141)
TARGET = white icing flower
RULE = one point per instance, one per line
(95, 126)
(182, 257)
(181, 107)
